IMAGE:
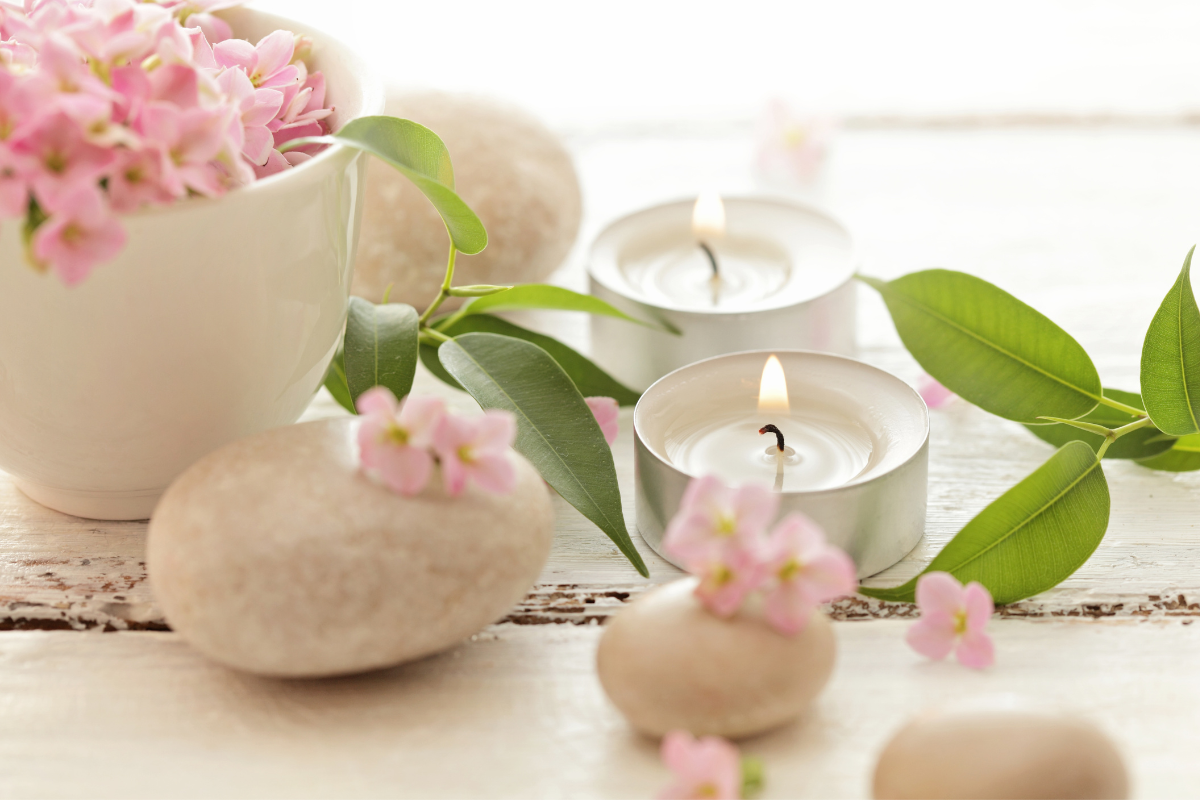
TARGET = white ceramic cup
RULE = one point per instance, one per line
(217, 320)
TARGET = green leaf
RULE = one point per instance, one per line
(1184, 456)
(1033, 536)
(420, 156)
(381, 347)
(1138, 444)
(1171, 359)
(589, 379)
(989, 348)
(544, 296)
(555, 428)
(335, 382)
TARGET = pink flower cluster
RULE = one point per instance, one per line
(400, 443)
(108, 106)
(720, 534)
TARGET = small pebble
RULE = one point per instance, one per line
(277, 556)
(668, 663)
(1000, 748)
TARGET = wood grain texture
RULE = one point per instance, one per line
(518, 712)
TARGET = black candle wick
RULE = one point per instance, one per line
(712, 259)
(778, 435)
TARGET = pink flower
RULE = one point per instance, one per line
(714, 520)
(394, 440)
(60, 157)
(933, 393)
(136, 180)
(80, 234)
(268, 63)
(726, 579)
(191, 138)
(702, 768)
(803, 572)
(793, 147)
(256, 107)
(606, 410)
(476, 449)
(953, 618)
(14, 190)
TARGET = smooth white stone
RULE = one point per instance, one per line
(508, 167)
(276, 555)
(667, 663)
(1002, 748)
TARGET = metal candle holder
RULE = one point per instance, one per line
(877, 515)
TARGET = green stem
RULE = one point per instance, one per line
(1116, 433)
(1130, 410)
(444, 292)
(432, 337)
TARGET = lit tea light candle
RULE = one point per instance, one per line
(855, 454)
(729, 275)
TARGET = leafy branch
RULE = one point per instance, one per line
(541, 381)
(998, 353)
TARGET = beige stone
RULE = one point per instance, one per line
(508, 167)
(1001, 749)
(275, 555)
(667, 663)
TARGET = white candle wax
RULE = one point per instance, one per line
(676, 271)
(822, 451)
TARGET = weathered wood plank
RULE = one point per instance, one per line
(518, 712)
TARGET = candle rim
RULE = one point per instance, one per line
(600, 261)
(854, 483)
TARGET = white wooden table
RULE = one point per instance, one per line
(1089, 224)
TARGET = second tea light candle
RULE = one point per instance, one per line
(732, 275)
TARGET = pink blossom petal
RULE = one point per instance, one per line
(377, 401)
(933, 393)
(979, 606)
(274, 52)
(939, 592)
(606, 412)
(494, 473)
(726, 581)
(931, 639)
(236, 53)
(709, 767)
(404, 469)
(976, 650)
(788, 609)
(755, 506)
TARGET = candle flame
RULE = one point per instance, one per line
(708, 216)
(772, 391)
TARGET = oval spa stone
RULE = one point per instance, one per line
(508, 167)
(999, 748)
(667, 663)
(277, 556)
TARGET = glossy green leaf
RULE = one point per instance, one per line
(555, 429)
(1171, 360)
(335, 382)
(1142, 443)
(589, 379)
(380, 347)
(420, 156)
(544, 296)
(1031, 538)
(989, 348)
(1184, 456)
